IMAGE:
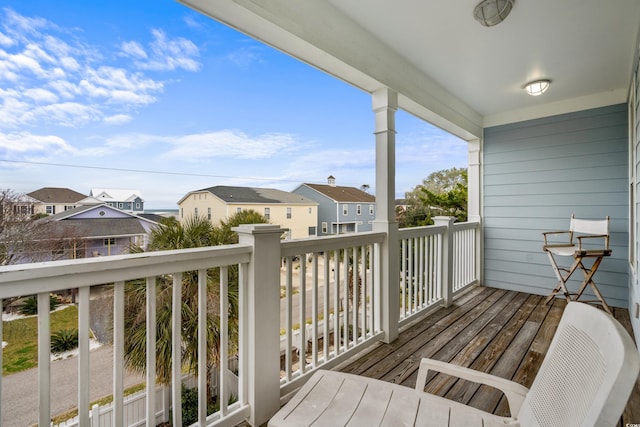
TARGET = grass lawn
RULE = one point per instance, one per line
(22, 336)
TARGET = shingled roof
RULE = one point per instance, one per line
(343, 194)
(56, 195)
(256, 195)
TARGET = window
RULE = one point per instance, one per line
(310, 211)
(288, 213)
(209, 214)
(50, 209)
(120, 205)
(68, 207)
(137, 205)
(181, 212)
(238, 210)
(312, 231)
(345, 209)
(195, 212)
(267, 213)
(358, 209)
(324, 228)
(370, 209)
(109, 242)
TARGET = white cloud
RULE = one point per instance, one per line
(24, 142)
(133, 49)
(163, 53)
(5, 40)
(41, 95)
(57, 79)
(229, 143)
(246, 56)
(117, 119)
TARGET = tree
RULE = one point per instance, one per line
(26, 237)
(441, 193)
(194, 232)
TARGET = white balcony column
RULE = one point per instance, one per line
(385, 105)
(474, 197)
(262, 319)
(447, 257)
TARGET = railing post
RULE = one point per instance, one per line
(385, 104)
(447, 257)
(263, 319)
(474, 176)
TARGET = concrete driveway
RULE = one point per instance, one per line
(20, 390)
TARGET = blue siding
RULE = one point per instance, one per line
(536, 174)
(327, 210)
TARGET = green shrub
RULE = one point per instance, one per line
(64, 340)
(190, 405)
(30, 305)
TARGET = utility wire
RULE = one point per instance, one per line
(144, 171)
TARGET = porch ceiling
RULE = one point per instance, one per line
(446, 67)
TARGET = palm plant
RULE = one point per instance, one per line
(194, 232)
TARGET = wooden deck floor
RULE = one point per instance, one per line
(491, 330)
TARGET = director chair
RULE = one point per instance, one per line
(586, 239)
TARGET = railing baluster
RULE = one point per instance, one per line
(336, 305)
(345, 308)
(289, 317)
(365, 279)
(224, 339)
(44, 359)
(1, 351)
(243, 334)
(327, 285)
(302, 346)
(355, 292)
(202, 347)
(314, 310)
(83, 356)
(151, 351)
(176, 351)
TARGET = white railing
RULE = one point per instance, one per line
(421, 268)
(329, 302)
(436, 262)
(156, 269)
(466, 265)
(329, 308)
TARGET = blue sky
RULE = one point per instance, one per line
(104, 94)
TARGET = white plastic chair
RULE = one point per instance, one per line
(585, 380)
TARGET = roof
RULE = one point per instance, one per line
(446, 67)
(115, 194)
(343, 194)
(230, 194)
(101, 227)
(69, 214)
(56, 195)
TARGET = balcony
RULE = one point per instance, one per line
(303, 305)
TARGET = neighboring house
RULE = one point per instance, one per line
(99, 230)
(340, 209)
(292, 211)
(52, 200)
(125, 200)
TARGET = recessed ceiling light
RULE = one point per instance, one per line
(537, 87)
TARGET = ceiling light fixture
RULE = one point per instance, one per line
(537, 87)
(492, 12)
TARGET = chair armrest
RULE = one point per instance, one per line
(514, 392)
(546, 233)
(593, 236)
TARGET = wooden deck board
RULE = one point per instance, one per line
(502, 332)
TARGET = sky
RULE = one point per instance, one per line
(152, 96)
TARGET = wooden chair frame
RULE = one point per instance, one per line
(583, 232)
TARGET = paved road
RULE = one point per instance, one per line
(20, 391)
